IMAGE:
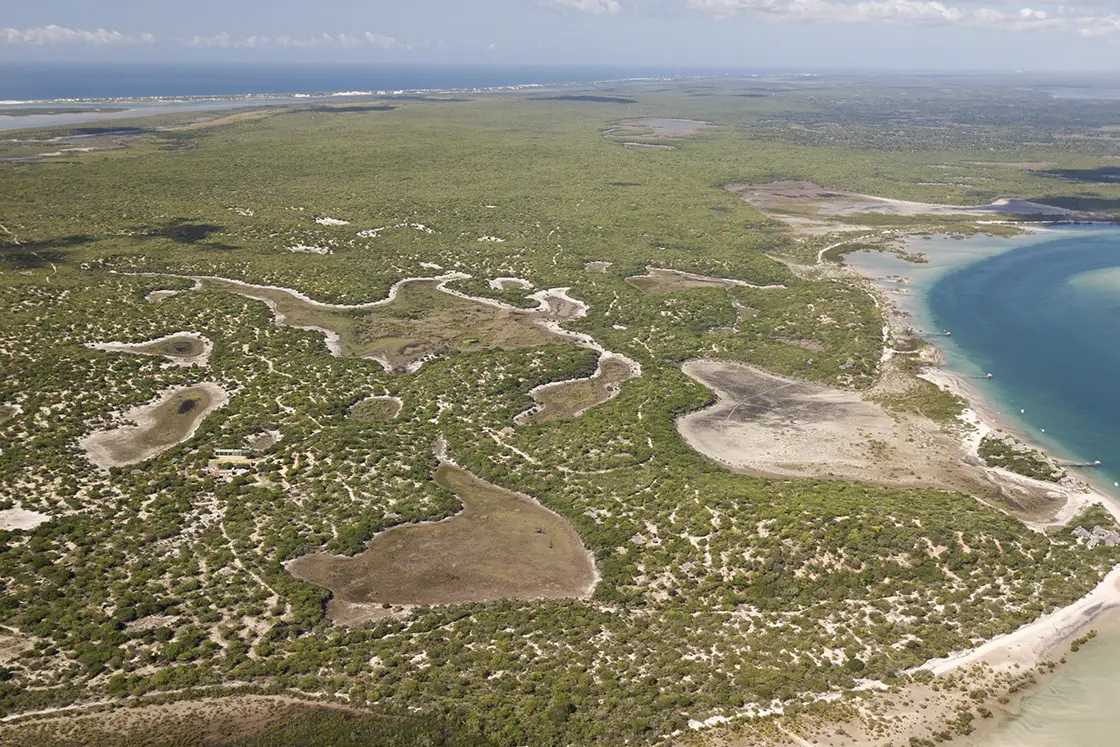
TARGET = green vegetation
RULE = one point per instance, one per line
(718, 592)
(1011, 454)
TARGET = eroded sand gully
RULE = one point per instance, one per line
(502, 545)
(153, 428)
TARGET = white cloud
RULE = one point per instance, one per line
(379, 40)
(338, 41)
(919, 13)
(52, 34)
(594, 7)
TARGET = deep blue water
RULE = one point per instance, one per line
(1045, 320)
(47, 81)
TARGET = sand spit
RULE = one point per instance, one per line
(18, 518)
(1069, 496)
(150, 432)
(1036, 641)
(181, 348)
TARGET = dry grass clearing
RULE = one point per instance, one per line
(567, 399)
(500, 546)
(171, 419)
(421, 321)
(671, 281)
(416, 325)
(376, 409)
(7, 412)
(189, 723)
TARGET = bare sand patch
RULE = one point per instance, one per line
(803, 205)
(264, 440)
(598, 266)
(1017, 165)
(18, 518)
(502, 545)
(771, 425)
(568, 399)
(171, 418)
(181, 348)
(660, 280)
(509, 284)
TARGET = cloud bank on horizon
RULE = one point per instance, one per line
(555, 31)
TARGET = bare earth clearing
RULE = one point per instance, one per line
(182, 348)
(171, 419)
(501, 546)
(7, 412)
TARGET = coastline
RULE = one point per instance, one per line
(1039, 646)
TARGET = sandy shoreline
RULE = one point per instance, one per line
(1047, 637)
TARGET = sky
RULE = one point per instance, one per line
(810, 34)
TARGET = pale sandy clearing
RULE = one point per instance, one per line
(143, 436)
(195, 350)
(18, 518)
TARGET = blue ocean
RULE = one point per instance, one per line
(43, 81)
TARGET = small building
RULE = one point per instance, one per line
(230, 462)
(1081, 533)
(1094, 541)
(1112, 539)
(1099, 531)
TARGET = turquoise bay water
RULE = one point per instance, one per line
(1042, 313)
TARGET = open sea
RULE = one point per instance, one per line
(56, 81)
(159, 88)
(1042, 314)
